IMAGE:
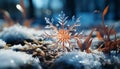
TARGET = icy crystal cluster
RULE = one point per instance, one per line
(64, 34)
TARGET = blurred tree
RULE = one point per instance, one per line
(31, 10)
(117, 9)
(10, 7)
(69, 8)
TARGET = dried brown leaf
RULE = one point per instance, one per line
(79, 43)
(89, 36)
(89, 44)
(105, 11)
(99, 36)
(27, 23)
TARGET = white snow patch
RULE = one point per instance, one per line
(18, 31)
(2, 43)
(19, 46)
(9, 58)
(79, 59)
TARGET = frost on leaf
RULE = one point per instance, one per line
(64, 34)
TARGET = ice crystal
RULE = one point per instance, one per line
(63, 34)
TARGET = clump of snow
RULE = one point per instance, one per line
(83, 60)
(16, 47)
(17, 34)
(78, 60)
(111, 61)
(14, 60)
(2, 43)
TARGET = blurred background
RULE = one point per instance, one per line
(34, 11)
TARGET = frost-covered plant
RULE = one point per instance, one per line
(63, 34)
(87, 43)
(104, 34)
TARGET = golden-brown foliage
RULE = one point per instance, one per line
(104, 34)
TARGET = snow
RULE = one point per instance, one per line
(78, 60)
(70, 60)
(18, 33)
(83, 60)
(2, 43)
(19, 46)
(12, 59)
(16, 29)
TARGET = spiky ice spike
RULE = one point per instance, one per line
(62, 19)
(75, 24)
(51, 24)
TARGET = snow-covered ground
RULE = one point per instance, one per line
(15, 60)
(2, 43)
(83, 60)
(17, 34)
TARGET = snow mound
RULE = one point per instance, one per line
(17, 60)
(2, 43)
(17, 34)
(83, 60)
(78, 60)
(111, 61)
